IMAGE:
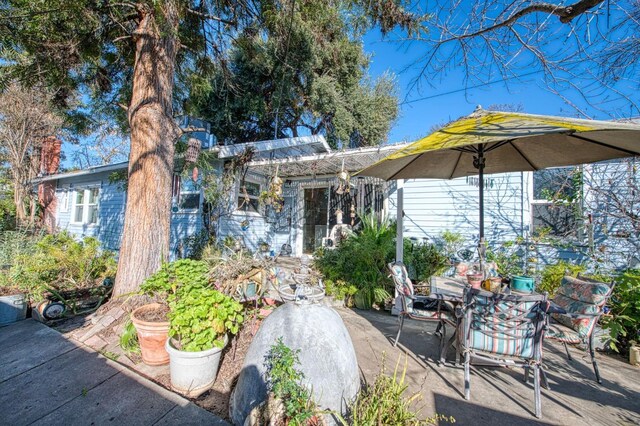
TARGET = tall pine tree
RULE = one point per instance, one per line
(137, 60)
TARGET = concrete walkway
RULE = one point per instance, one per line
(46, 379)
(498, 395)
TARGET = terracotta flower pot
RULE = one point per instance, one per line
(475, 280)
(152, 336)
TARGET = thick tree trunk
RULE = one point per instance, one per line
(19, 196)
(145, 239)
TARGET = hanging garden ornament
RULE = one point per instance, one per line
(194, 174)
(353, 214)
(276, 183)
(193, 150)
(343, 181)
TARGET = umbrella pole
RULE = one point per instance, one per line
(478, 162)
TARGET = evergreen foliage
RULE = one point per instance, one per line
(298, 72)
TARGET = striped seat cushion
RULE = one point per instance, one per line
(503, 328)
(563, 334)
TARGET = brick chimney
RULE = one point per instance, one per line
(50, 155)
(49, 164)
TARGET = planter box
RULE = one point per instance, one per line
(13, 308)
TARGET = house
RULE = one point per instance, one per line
(319, 192)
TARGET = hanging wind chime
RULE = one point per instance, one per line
(343, 181)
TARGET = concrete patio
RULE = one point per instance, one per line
(47, 379)
(498, 396)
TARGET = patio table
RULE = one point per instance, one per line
(452, 289)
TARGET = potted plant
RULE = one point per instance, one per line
(200, 320)
(151, 320)
(152, 328)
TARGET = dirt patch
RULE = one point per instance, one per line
(154, 315)
(163, 379)
(216, 399)
(10, 291)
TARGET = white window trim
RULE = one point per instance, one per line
(85, 206)
(237, 195)
(190, 211)
(64, 200)
(538, 202)
(179, 200)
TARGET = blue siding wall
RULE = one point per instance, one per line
(111, 208)
(432, 206)
(230, 224)
(108, 198)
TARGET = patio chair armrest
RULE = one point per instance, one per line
(582, 316)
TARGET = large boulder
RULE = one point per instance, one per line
(327, 359)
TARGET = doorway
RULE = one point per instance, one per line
(315, 218)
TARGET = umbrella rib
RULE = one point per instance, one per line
(456, 165)
(393, 176)
(523, 156)
(626, 151)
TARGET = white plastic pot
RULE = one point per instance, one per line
(193, 373)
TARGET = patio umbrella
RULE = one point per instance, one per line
(498, 142)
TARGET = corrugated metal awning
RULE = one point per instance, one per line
(330, 163)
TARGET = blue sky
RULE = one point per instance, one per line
(418, 116)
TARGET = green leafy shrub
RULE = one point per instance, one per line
(58, 262)
(16, 243)
(195, 244)
(450, 243)
(623, 322)
(7, 205)
(361, 261)
(173, 275)
(425, 258)
(283, 380)
(509, 259)
(551, 275)
(340, 290)
(200, 317)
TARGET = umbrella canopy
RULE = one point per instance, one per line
(510, 142)
(498, 142)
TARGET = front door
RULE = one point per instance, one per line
(315, 218)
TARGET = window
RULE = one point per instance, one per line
(249, 196)
(554, 208)
(85, 208)
(189, 195)
(186, 194)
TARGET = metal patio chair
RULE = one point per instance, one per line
(420, 308)
(504, 330)
(583, 299)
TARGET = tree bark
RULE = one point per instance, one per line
(145, 238)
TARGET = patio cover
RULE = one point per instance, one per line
(324, 164)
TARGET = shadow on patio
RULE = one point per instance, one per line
(50, 380)
(498, 395)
